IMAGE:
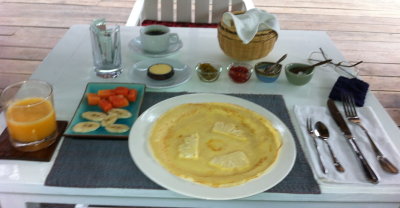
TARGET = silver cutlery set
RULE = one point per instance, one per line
(319, 130)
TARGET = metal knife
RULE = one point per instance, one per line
(369, 172)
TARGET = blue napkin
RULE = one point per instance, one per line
(353, 86)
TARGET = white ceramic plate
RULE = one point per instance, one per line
(136, 45)
(141, 154)
(139, 73)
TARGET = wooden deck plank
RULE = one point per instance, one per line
(123, 4)
(348, 8)
(7, 31)
(363, 20)
(18, 66)
(28, 41)
(43, 32)
(387, 57)
(57, 10)
(104, 3)
(383, 83)
(19, 53)
(69, 2)
(365, 36)
(395, 114)
(329, 11)
(368, 45)
(379, 69)
(7, 79)
(389, 99)
(50, 22)
(333, 26)
(370, 5)
(49, 15)
(33, 37)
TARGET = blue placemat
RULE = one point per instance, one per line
(91, 163)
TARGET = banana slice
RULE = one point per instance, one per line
(117, 128)
(121, 113)
(110, 119)
(94, 116)
(86, 126)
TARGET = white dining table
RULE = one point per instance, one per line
(69, 67)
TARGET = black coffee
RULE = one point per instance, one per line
(155, 32)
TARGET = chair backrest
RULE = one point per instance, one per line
(194, 11)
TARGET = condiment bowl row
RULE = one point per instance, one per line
(266, 72)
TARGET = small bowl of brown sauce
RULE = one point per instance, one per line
(160, 71)
(208, 72)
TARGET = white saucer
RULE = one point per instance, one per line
(139, 73)
(136, 45)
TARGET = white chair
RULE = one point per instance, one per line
(191, 11)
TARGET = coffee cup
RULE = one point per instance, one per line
(157, 38)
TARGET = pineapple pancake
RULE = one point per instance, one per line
(214, 144)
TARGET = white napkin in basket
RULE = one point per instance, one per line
(353, 171)
(249, 23)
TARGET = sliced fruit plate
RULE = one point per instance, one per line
(106, 110)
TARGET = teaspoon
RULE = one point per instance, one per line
(305, 68)
(322, 132)
(274, 67)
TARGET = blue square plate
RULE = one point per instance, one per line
(101, 132)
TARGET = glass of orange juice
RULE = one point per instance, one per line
(30, 115)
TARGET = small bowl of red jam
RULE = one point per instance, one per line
(240, 72)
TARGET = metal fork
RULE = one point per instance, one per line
(310, 131)
(351, 114)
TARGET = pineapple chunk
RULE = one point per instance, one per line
(229, 129)
(234, 160)
(189, 149)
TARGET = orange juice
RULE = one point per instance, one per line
(31, 119)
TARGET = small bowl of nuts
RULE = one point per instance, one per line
(208, 72)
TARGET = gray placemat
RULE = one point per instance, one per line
(91, 163)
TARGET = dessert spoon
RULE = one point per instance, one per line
(305, 68)
(322, 132)
(274, 67)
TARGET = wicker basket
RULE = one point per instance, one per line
(232, 45)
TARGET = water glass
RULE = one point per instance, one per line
(106, 49)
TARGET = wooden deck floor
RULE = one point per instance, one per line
(367, 30)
